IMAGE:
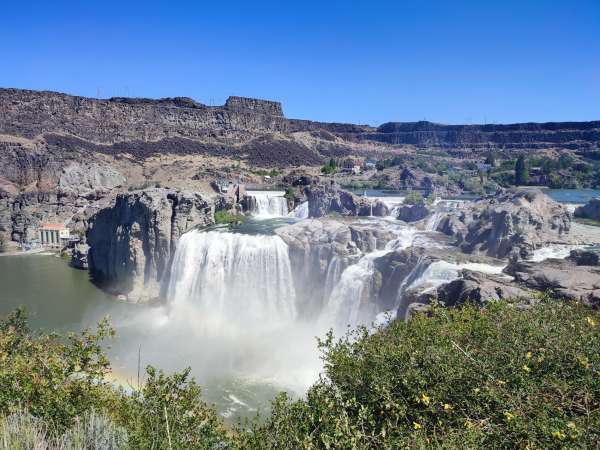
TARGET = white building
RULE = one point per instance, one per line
(54, 235)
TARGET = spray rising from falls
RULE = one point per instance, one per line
(268, 204)
(238, 277)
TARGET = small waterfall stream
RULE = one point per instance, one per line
(268, 204)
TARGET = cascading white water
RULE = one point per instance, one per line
(238, 277)
(351, 292)
(434, 221)
(268, 204)
(557, 251)
(300, 211)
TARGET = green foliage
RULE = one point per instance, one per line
(521, 171)
(168, 413)
(329, 168)
(263, 173)
(61, 383)
(2, 243)
(290, 193)
(222, 216)
(57, 379)
(501, 377)
(413, 198)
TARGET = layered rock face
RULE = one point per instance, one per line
(132, 242)
(514, 222)
(591, 210)
(520, 135)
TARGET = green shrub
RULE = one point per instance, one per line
(168, 413)
(56, 378)
(414, 198)
(501, 377)
(223, 216)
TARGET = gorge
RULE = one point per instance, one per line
(141, 183)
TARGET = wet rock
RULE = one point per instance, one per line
(79, 256)
(320, 250)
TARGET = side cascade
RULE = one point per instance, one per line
(268, 204)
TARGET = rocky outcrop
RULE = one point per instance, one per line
(571, 278)
(88, 180)
(79, 256)
(591, 210)
(512, 223)
(132, 242)
(324, 200)
(412, 213)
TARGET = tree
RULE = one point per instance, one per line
(521, 171)
(491, 159)
(2, 243)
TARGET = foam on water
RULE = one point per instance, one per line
(557, 251)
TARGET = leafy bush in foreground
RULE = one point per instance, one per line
(501, 377)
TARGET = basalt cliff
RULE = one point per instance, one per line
(63, 156)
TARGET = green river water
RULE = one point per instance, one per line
(60, 298)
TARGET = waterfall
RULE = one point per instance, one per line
(351, 294)
(236, 276)
(300, 211)
(268, 204)
(433, 221)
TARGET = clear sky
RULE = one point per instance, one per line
(346, 61)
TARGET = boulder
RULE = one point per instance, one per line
(132, 242)
(585, 258)
(591, 210)
(412, 213)
(323, 200)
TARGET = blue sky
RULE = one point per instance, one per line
(353, 61)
